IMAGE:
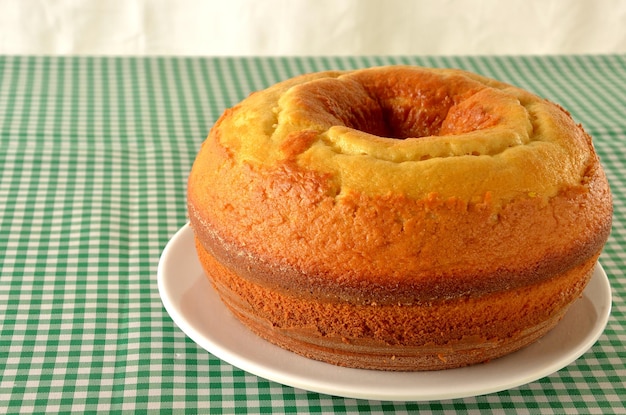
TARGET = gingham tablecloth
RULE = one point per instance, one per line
(94, 155)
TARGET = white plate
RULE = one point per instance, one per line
(196, 308)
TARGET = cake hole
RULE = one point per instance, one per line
(408, 104)
(413, 104)
(402, 120)
(397, 117)
(395, 121)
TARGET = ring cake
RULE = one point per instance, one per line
(398, 218)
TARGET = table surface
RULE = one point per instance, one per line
(94, 155)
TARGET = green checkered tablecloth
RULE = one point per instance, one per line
(94, 155)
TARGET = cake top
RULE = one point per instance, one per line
(411, 130)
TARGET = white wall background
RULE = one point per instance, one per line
(312, 27)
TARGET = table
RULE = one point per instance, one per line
(94, 155)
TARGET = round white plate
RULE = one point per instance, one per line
(196, 308)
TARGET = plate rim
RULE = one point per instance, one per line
(185, 234)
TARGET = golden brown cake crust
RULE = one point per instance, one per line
(441, 334)
(397, 186)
